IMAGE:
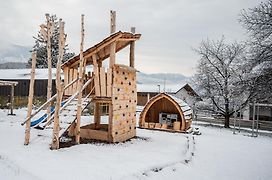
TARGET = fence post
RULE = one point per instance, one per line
(253, 119)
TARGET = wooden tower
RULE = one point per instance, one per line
(113, 87)
(89, 79)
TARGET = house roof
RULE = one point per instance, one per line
(25, 74)
(102, 49)
(189, 89)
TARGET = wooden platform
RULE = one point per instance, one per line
(89, 132)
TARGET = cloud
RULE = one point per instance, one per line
(169, 28)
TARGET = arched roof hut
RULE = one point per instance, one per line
(166, 112)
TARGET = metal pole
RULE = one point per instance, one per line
(240, 118)
(257, 125)
(234, 120)
(253, 119)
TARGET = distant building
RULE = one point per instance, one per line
(22, 76)
(186, 93)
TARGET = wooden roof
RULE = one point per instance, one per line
(102, 49)
(8, 83)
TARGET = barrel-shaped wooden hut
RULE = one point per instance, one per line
(166, 112)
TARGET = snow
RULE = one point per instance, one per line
(216, 154)
(149, 87)
(25, 74)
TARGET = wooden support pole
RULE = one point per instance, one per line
(113, 45)
(113, 21)
(97, 117)
(96, 76)
(59, 87)
(49, 62)
(12, 99)
(132, 50)
(80, 83)
(30, 98)
(110, 136)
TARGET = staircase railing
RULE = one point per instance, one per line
(47, 102)
(69, 101)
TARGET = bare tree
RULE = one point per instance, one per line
(222, 76)
(258, 22)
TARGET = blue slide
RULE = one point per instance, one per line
(44, 117)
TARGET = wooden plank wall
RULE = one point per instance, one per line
(124, 101)
(102, 82)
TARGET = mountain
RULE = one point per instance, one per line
(168, 82)
(160, 78)
(13, 65)
(14, 53)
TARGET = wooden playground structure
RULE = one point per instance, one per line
(113, 86)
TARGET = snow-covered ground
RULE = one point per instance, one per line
(216, 154)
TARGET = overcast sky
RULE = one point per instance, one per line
(169, 28)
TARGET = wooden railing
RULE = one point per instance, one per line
(48, 102)
(69, 100)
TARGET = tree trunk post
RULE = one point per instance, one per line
(80, 83)
(132, 50)
(60, 88)
(113, 45)
(30, 99)
(12, 100)
(49, 62)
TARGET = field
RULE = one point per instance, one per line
(216, 154)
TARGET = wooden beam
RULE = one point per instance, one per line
(103, 84)
(66, 79)
(113, 21)
(112, 45)
(96, 76)
(49, 62)
(97, 117)
(59, 87)
(80, 83)
(8, 83)
(12, 100)
(98, 49)
(132, 50)
(30, 98)
(109, 82)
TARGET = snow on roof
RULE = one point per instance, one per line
(183, 105)
(6, 74)
(170, 88)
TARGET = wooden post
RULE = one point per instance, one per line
(12, 100)
(113, 45)
(97, 117)
(59, 87)
(30, 98)
(80, 83)
(96, 76)
(132, 50)
(110, 137)
(113, 21)
(49, 62)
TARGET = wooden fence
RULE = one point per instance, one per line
(263, 125)
(22, 88)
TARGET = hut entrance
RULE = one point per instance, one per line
(166, 112)
(162, 110)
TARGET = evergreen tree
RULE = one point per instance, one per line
(40, 47)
